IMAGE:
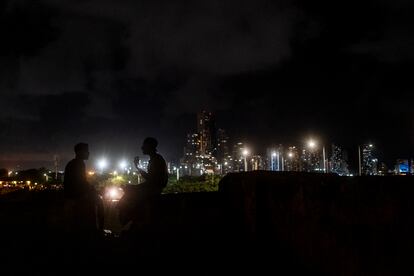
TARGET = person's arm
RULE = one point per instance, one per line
(143, 173)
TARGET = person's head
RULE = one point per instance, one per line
(149, 146)
(82, 151)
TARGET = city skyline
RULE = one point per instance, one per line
(212, 140)
(271, 72)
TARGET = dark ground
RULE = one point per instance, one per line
(259, 223)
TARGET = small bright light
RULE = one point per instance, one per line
(91, 172)
(115, 172)
(44, 174)
(274, 154)
(225, 163)
(123, 164)
(371, 145)
(102, 164)
(311, 144)
(114, 193)
(245, 152)
(290, 154)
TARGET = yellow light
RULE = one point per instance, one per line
(91, 172)
(28, 182)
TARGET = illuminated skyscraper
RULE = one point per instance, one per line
(292, 159)
(192, 147)
(275, 158)
(207, 131)
(256, 163)
(238, 158)
(402, 167)
(337, 163)
(224, 156)
(369, 163)
(310, 160)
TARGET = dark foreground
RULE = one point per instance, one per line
(259, 223)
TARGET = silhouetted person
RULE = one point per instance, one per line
(140, 201)
(81, 198)
(156, 177)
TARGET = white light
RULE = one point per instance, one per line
(274, 154)
(245, 152)
(123, 164)
(371, 145)
(311, 144)
(113, 193)
(102, 164)
(290, 154)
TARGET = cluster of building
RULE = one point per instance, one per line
(208, 151)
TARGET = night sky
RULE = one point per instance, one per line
(113, 72)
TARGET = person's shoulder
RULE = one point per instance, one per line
(74, 163)
(159, 158)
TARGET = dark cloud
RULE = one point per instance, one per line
(271, 71)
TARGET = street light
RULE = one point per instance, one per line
(102, 164)
(123, 165)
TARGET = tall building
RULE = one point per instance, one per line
(402, 167)
(223, 151)
(207, 130)
(292, 159)
(224, 156)
(274, 158)
(203, 147)
(192, 147)
(369, 163)
(338, 161)
(256, 163)
(310, 160)
(238, 158)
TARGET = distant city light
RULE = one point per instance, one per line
(290, 154)
(371, 145)
(312, 144)
(102, 164)
(274, 154)
(114, 193)
(245, 152)
(123, 164)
